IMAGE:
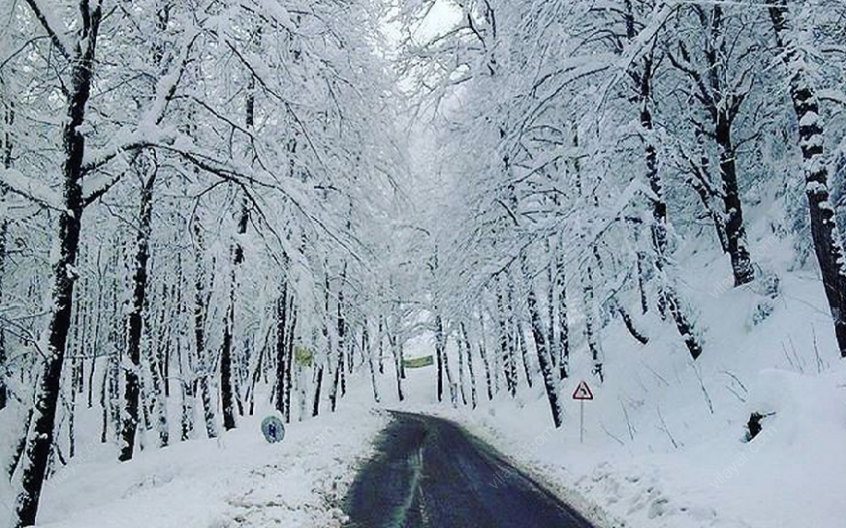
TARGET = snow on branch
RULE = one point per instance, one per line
(52, 26)
(97, 158)
(147, 134)
(15, 181)
(640, 45)
(166, 87)
(276, 11)
(259, 179)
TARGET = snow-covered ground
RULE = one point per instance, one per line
(237, 480)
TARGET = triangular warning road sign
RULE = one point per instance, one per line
(582, 392)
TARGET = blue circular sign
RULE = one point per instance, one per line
(273, 429)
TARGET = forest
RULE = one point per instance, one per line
(209, 210)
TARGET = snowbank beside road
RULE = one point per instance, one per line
(237, 480)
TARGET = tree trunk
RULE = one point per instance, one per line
(440, 349)
(506, 353)
(200, 310)
(226, 381)
(135, 318)
(524, 352)
(827, 244)
(158, 391)
(281, 356)
(70, 410)
(8, 120)
(461, 376)
(550, 304)
(591, 328)
(40, 436)
(469, 350)
(549, 378)
(289, 358)
(366, 347)
(183, 357)
(96, 333)
(635, 332)
(723, 108)
(396, 351)
(483, 353)
(640, 264)
(315, 409)
(342, 327)
(381, 333)
(741, 261)
(227, 399)
(563, 351)
(186, 394)
(4, 227)
(667, 296)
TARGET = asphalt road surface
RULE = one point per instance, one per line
(430, 473)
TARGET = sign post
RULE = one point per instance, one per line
(581, 421)
(582, 393)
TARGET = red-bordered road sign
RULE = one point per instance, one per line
(582, 392)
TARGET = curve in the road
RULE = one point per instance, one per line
(430, 473)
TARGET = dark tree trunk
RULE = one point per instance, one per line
(723, 107)
(326, 338)
(4, 226)
(469, 350)
(342, 327)
(524, 353)
(227, 399)
(281, 356)
(551, 271)
(630, 324)
(483, 353)
(289, 358)
(158, 390)
(116, 338)
(640, 263)
(591, 326)
(505, 351)
(183, 358)
(683, 324)
(510, 364)
(135, 318)
(40, 436)
(396, 351)
(227, 395)
(461, 376)
(741, 261)
(563, 351)
(318, 384)
(439, 355)
(168, 314)
(381, 334)
(200, 311)
(549, 377)
(6, 153)
(368, 352)
(451, 384)
(827, 244)
(337, 372)
(667, 296)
